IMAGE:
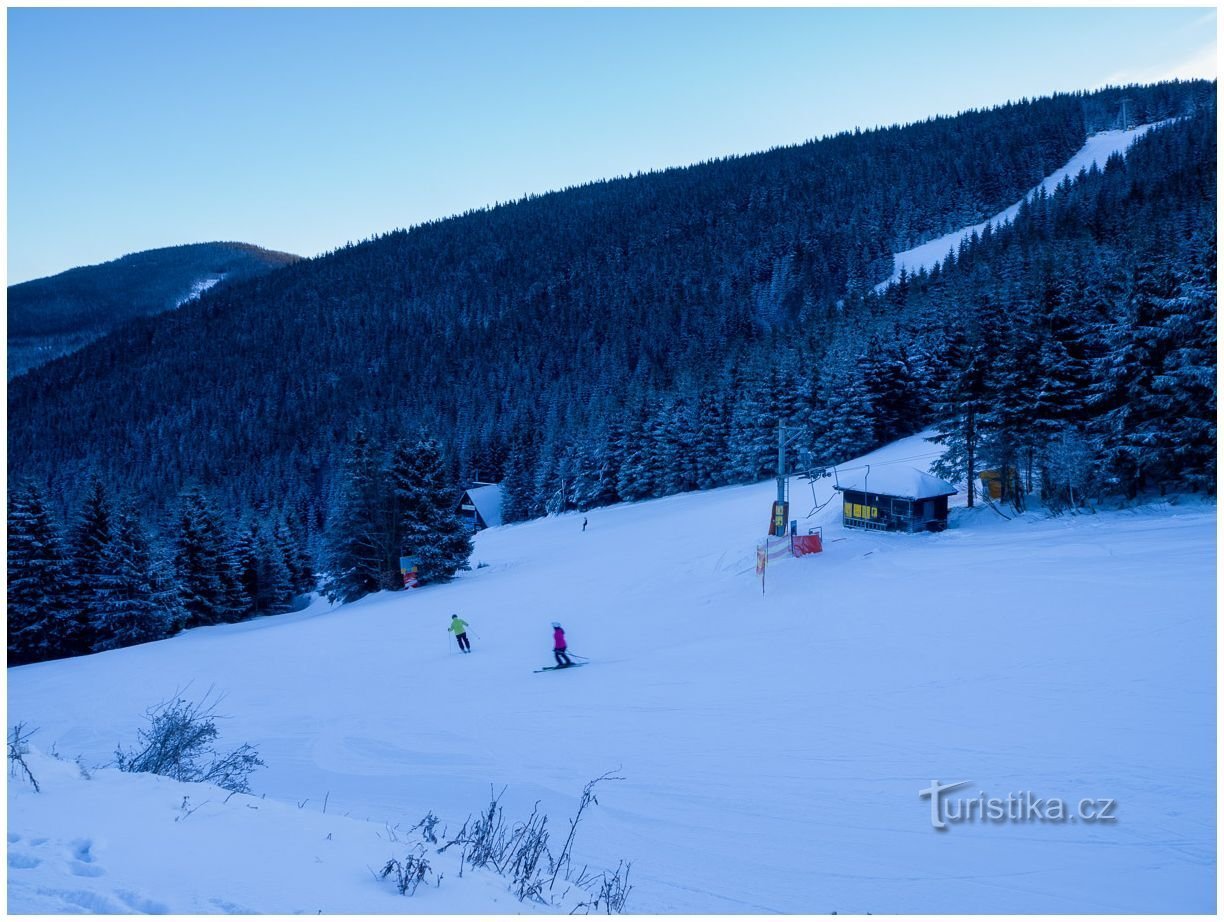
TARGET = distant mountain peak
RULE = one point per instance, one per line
(54, 316)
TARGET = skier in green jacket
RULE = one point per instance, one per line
(458, 627)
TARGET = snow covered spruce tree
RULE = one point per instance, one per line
(1156, 391)
(593, 477)
(958, 410)
(87, 546)
(517, 482)
(848, 419)
(424, 499)
(264, 571)
(295, 549)
(361, 555)
(205, 564)
(134, 601)
(43, 618)
(405, 507)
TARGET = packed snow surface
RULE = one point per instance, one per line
(773, 745)
(124, 844)
(1097, 149)
(198, 288)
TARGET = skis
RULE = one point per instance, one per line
(554, 668)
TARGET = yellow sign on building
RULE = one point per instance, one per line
(859, 511)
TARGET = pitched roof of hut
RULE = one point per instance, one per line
(487, 498)
(890, 480)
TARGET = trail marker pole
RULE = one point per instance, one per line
(762, 562)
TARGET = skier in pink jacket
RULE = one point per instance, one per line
(563, 659)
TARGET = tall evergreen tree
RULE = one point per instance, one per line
(205, 565)
(363, 536)
(264, 571)
(517, 483)
(88, 545)
(959, 410)
(295, 552)
(849, 418)
(43, 617)
(430, 527)
(133, 603)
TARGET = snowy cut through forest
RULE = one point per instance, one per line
(772, 746)
(1097, 149)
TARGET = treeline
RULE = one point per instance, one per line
(626, 340)
(105, 581)
(1080, 341)
(1075, 347)
(394, 504)
(532, 335)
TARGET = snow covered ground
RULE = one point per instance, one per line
(119, 843)
(1097, 149)
(198, 288)
(773, 746)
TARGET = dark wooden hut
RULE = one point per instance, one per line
(481, 506)
(890, 498)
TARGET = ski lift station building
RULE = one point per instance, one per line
(481, 506)
(893, 499)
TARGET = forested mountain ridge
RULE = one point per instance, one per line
(627, 338)
(56, 315)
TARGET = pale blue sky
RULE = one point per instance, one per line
(301, 129)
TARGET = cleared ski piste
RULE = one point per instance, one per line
(773, 747)
(1097, 149)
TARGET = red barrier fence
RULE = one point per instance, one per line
(802, 545)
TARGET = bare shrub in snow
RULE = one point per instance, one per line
(178, 744)
(519, 851)
(482, 839)
(588, 798)
(428, 826)
(409, 873)
(614, 889)
(18, 749)
(528, 859)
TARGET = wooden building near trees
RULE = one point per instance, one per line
(481, 506)
(894, 499)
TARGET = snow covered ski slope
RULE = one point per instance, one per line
(773, 746)
(1097, 149)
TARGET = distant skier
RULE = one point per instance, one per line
(458, 627)
(584, 521)
(563, 659)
